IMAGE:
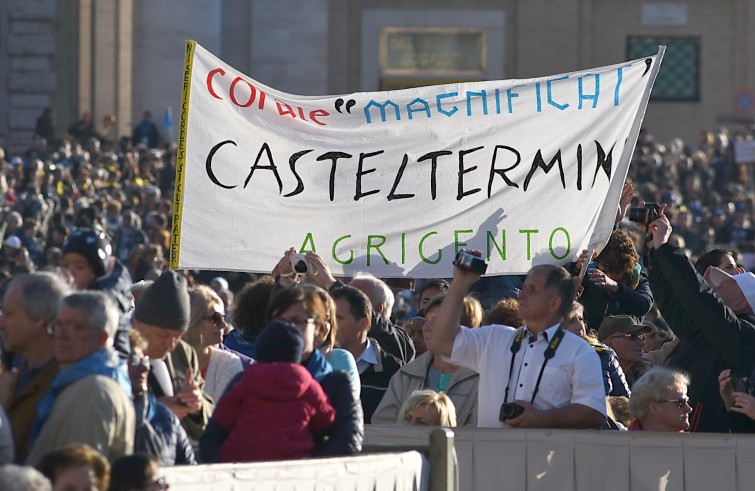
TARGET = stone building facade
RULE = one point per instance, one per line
(121, 57)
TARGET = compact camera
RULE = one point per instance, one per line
(470, 262)
(645, 214)
(299, 264)
(509, 410)
(740, 384)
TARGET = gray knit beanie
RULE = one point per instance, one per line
(165, 303)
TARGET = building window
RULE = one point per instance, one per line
(679, 76)
(412, 57)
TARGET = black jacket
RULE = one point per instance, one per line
(344, 437)
(159, 433)
(393, 339)
(117, 284)
(712, 337)
(600, 303)
(375, 380)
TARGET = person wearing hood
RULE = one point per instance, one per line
(89, 262)
(277, 409)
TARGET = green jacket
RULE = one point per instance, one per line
(22, 408)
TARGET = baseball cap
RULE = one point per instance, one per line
(745, 281)
(13, 242)
(620, 323)
(653, 327)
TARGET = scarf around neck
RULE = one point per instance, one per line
(318, 366)
(104, 362)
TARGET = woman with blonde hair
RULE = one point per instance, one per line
(659, 401)
(471, 312)
(206, 326)
(429, 408)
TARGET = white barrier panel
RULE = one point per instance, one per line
(407, 471)
(587, 460)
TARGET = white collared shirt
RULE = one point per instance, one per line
(572, 376)
(367, 358)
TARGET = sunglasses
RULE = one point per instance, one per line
(633, 336)
(159, 484)
(218, 319)
(680, 401)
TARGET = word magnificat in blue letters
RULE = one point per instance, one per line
(497, 101)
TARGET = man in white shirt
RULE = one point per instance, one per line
(570, 392)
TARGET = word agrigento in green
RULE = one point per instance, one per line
(381, 247)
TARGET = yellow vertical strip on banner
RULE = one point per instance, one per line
(178, 193)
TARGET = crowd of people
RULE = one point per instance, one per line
(114, 365)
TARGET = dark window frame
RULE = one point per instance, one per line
(668, 89)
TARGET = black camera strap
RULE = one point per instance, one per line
(549, 353)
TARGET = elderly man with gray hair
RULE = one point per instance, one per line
(90, 398)
(29, 312)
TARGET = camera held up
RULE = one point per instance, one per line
(470, 262)
(299, 264)
(740, 384)
(645, 214)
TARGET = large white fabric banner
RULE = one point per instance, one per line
(395, 183)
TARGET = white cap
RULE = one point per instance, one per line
(745, 281)
(13, 242)
(221, 281)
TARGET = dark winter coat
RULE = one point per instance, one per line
(712, 337)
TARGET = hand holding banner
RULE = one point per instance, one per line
(395, 183)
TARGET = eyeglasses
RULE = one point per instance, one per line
(680, 401)
(217, 319)
(633, 336)
(139, 361)
(159, 484)
(300, 322)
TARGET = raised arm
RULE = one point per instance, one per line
(446, 324)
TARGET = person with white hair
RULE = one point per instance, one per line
(29, 312)
(377, 291)
(90, 399)
(659, 401)
(22, 478)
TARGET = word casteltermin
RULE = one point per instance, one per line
(503, 165)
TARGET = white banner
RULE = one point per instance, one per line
(744, 152)
(395, 183)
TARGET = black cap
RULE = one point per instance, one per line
(279, 341)
(165, 303)
(93, 245)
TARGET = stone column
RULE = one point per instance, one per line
(290, 45)
(105, 61)
(29, 47)
(160, 31)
